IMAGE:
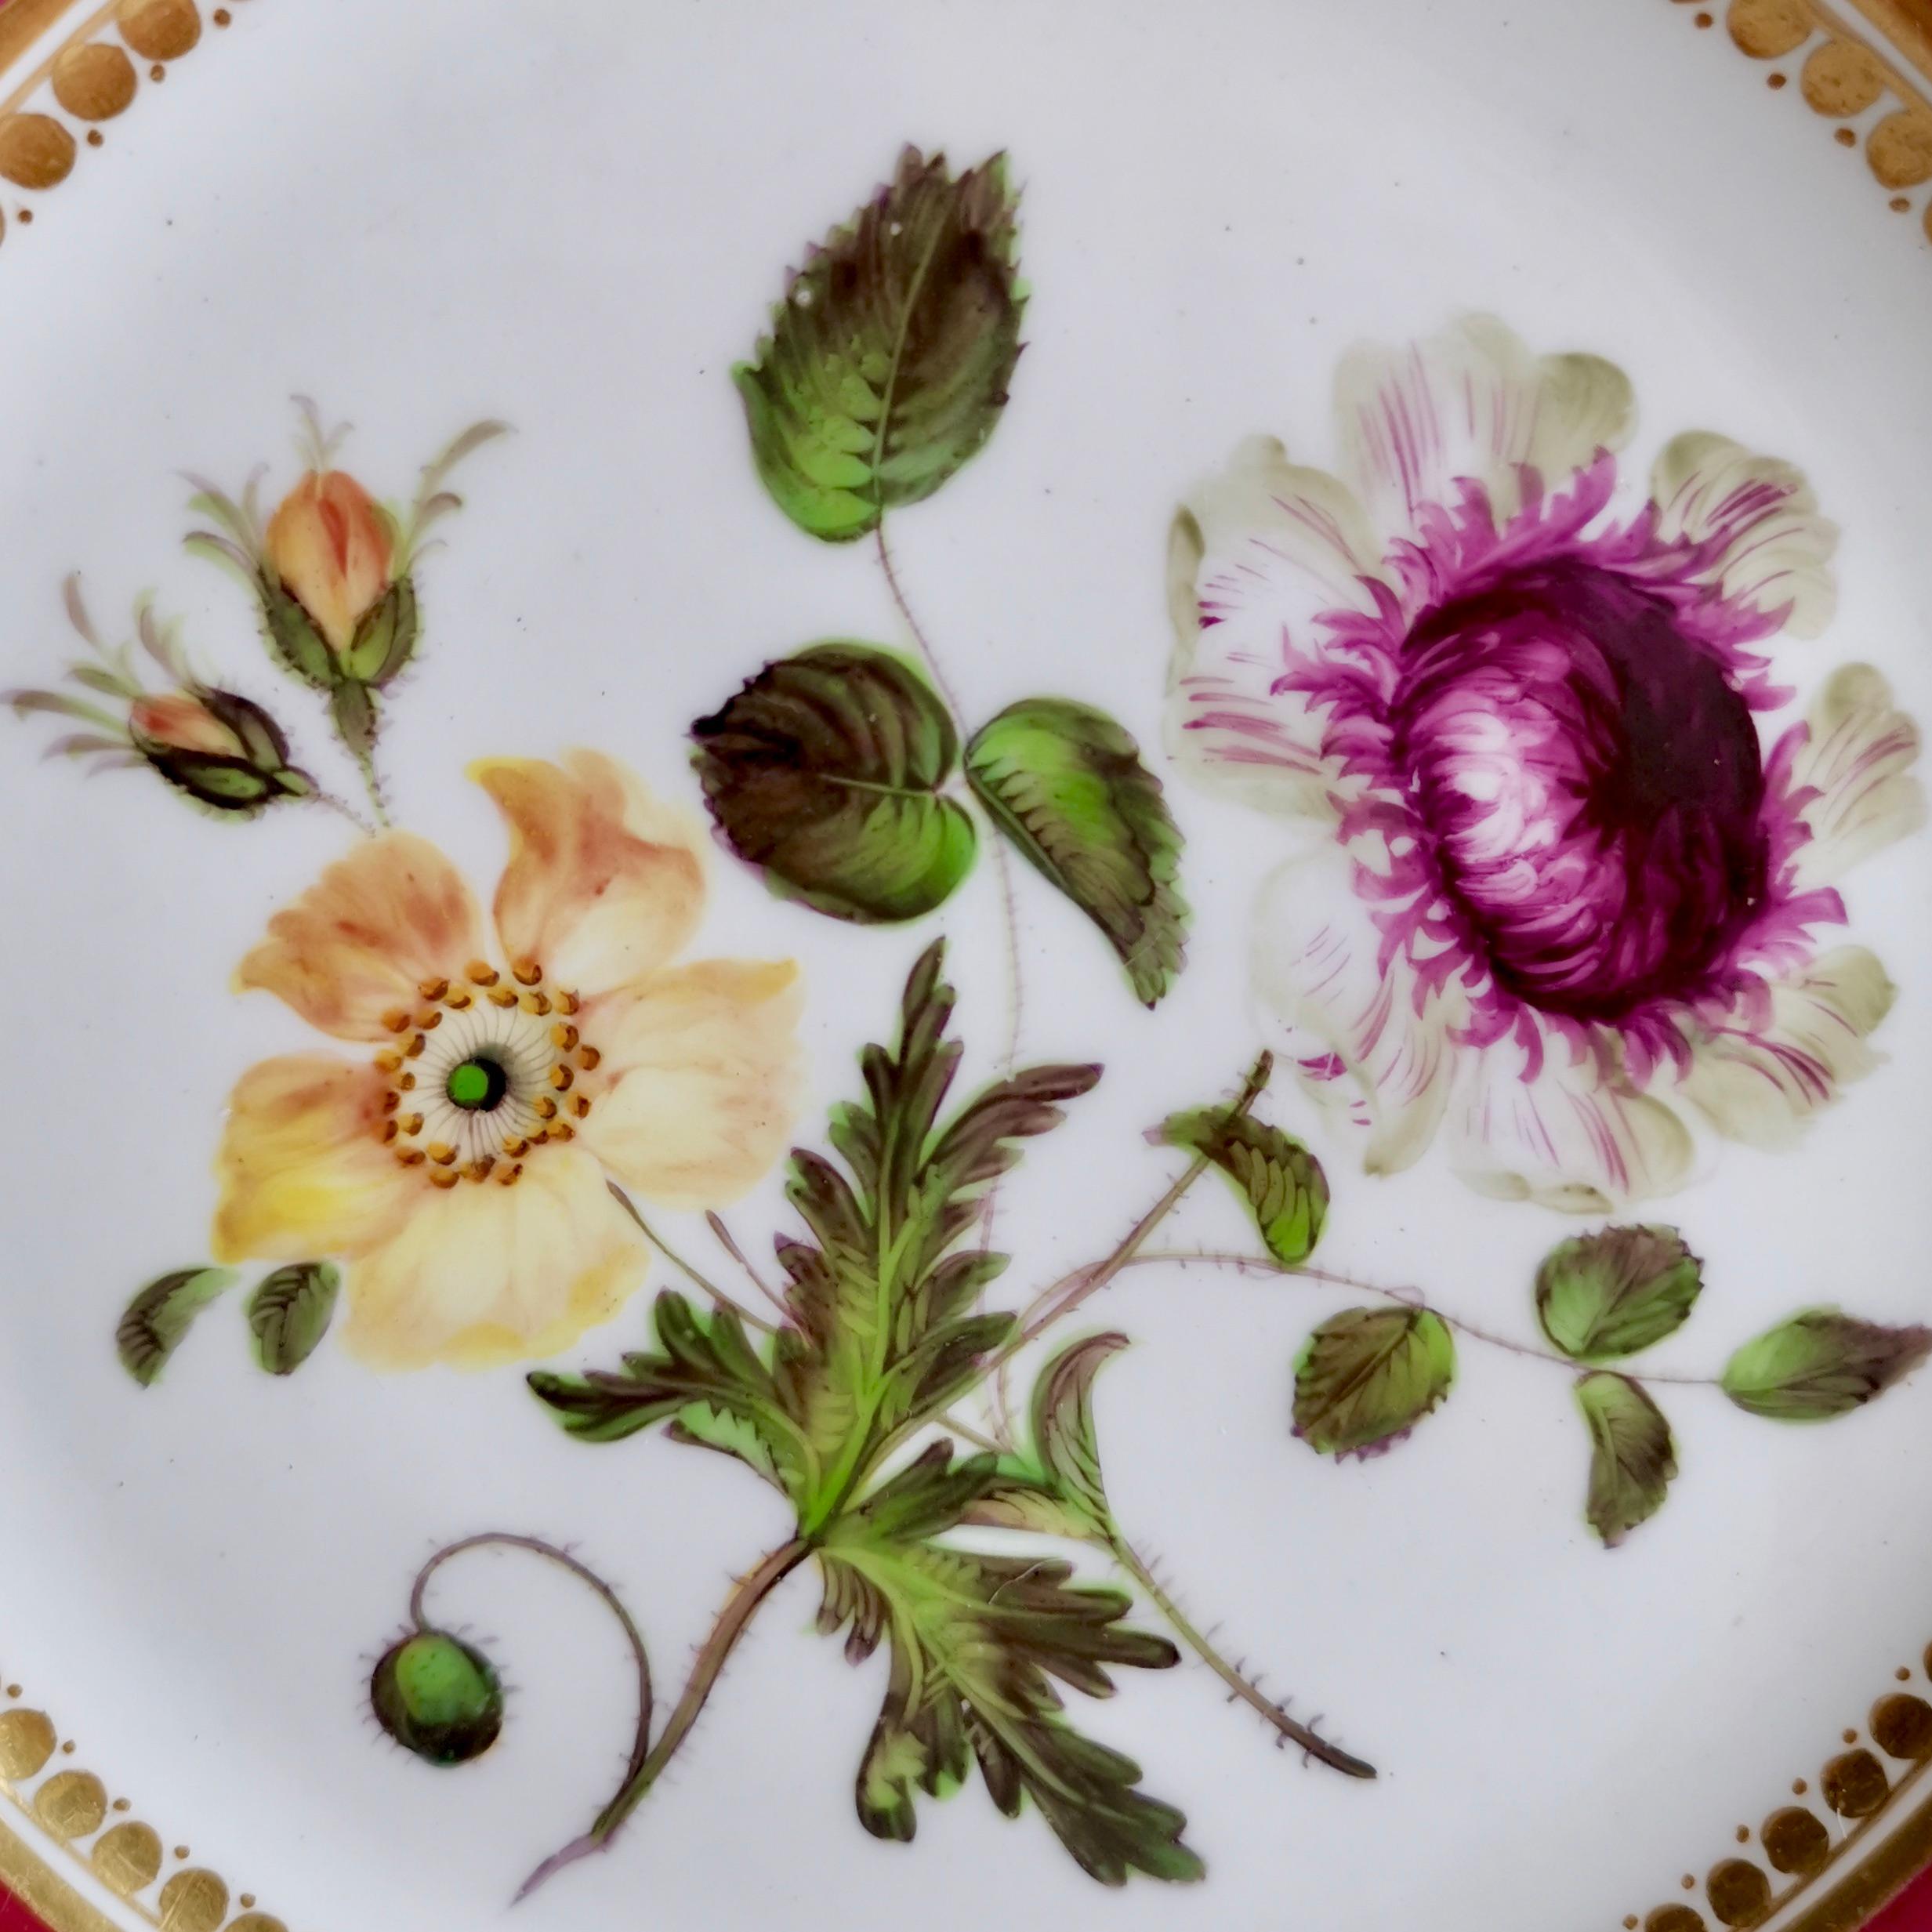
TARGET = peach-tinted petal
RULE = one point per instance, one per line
(331, 547)
(481, 1274)
(703, 1087)
(302, 1171)
(604, 883)
(357, 944)
(1848, 767)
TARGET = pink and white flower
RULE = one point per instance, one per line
(1562, 897)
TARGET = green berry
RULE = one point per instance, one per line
(438, 1697)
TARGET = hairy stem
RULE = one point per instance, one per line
(343, 809)
(1286, 1729)
(1404, 1297)
(725, 1240)
(747, 1594)
(703, 1285)
(504, 1540)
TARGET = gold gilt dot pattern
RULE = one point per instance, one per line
(59, 108)
(1850, 80)
(73, 1807)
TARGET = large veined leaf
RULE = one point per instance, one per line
(1631, 1458)
(1281, 1183)
(1368, 1375)
(1066, 784)
(1821, 1364)
(289, 1313)
(825, 770)
(977, 1642)
(888, 360)
(1608, 1295)
(161, 1313)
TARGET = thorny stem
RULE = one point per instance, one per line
(372, 780)
(749, 1592)
(1286, 1729)
(702, 1283)
(504, 1539)
(728, 1242)
(1405, 1297)
(343, 809)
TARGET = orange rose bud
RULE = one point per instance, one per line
(181, 723)
(331, 548)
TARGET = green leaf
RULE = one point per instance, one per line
(705, 1379)
(1281, 1181)
(292, 638)
(825, 771)
(977, 1644)
(888, 360)
(1368, 1375)
(1066, 784)
(385, 639)
(290, 1313)
(1821, 1364)
(161, 1313)
(1602, 1297)
(1632, 1459)
(886, 1331)
(1063, 1425)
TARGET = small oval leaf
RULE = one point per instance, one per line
(290, 1313)
(1631, 1457)
(1368, 1375)
(1281, 1181)
(825, 771)
(1063, 1425)
(1602, 1297)
(161, 1314)
(1821, 1364)
(1066, 784)
(888, 360)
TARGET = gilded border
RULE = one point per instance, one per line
(1847, 75)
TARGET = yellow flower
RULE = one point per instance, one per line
(331, 548)
(462, 1170)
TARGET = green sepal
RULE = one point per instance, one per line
(292, 638)
(386, 636)
(352, 707)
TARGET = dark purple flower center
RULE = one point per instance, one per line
(1592, 784)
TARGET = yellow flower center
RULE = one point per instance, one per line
(482, 1073)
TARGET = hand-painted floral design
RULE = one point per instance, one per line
(1562, 898)
(463, 1170)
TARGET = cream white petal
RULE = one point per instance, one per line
(1771, 548)
(1472, 403)
(1854, 760)
(1256, 556)
(1761, 1079)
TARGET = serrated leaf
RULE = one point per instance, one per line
(161, 1313)
(1631, 1457)
(290, 1313)
(1605, 1296)
(1063, 1425)
(888, 360)
(1066, 784)
(1281, 1183)
(825, 771)
(1368, 1375)
(1821, 1364)
(977, 1642)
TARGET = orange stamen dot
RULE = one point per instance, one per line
(428, 1019)
(432, 989)
(406, 1082)
(414, 1050)
(514, 1147)
(563, 1130)
(526, 971)
(388, 1061)
(388, 1130)
(544, 1106)
(460, 1000)
(502, 996)
(567, 1003)
(537, 1003)
(580, 1106)
(412, 1123)
(589, 1058)
(479, 973)
(561, 1077)
(508, 1177)
(479, 1170)
(441, 1152)
(396, 1020)
(391, 1102)
(444, 1177)
(410, 1156)
(564, 1037)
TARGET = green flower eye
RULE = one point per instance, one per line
(438, 1697)
(478, 1085)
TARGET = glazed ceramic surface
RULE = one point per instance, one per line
(1133, 792)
